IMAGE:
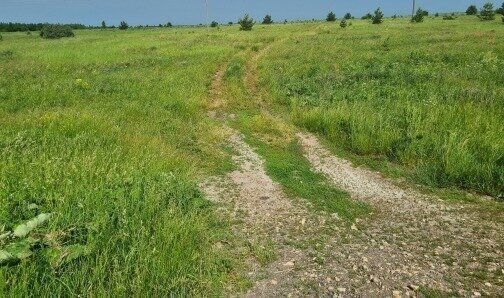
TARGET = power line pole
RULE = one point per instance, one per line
(206, 15)
(413, 12)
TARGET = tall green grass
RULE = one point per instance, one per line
(107, 132)
(427, 96)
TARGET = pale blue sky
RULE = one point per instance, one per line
(135, 12)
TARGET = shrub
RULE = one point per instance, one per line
(56, 31)
(230, 23)
(214, 24)
(378, 16)
(367, 16)
(343, 23)
(246, 23)
(348, 16)
(418, 17)
(331, 17)
(1, 37)
(487, 12)
(449, 17)
(472, 10)
(267, 20)
(123, 25)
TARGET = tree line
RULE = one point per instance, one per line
(23, 27)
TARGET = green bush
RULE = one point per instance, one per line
(487, 13)
(378, 16)
(214, 24)
(267, 20)
(246, 23)
(331, 17)
(343, 23)
(500, 10)
(419, 16)
(123, 25)
(367, 16)
(472, 10)
(348, 16)
(56, 31)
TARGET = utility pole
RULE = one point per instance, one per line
(413, 12)
(206, 17)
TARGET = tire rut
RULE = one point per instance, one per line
(413, 239)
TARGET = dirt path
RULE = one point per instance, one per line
(411, 244)
(268, 218)
(413, 240)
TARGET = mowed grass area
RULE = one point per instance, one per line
(107, 132)
(429, 96)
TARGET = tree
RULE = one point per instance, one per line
(103, 25)
(378, 16)
(267, 20)
(343, 23)
(123, 25)
(500, 10)
(472, 10)
(168, 25)
(214, 24)
(347, 16)
(246, 23)
(331, 17)
(418, 17)
(487, 12)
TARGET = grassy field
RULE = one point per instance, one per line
(428, 96)
(108, 132)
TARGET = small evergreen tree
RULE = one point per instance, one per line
(123, 25)
(103, 25)
(214, 24)
(267, 20)
(487, 13)
(343, 23)
(348, 16)
(418, 17)
(378, 16)
(500, 10)
(246, 23)
(331, 17)
(472, 10)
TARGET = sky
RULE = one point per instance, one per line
(180, 12)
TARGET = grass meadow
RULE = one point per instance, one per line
(108, 133)
(429, 96)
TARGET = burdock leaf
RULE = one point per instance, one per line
(64, 255)
(6, 257)
(24, 229)
(19, 249)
